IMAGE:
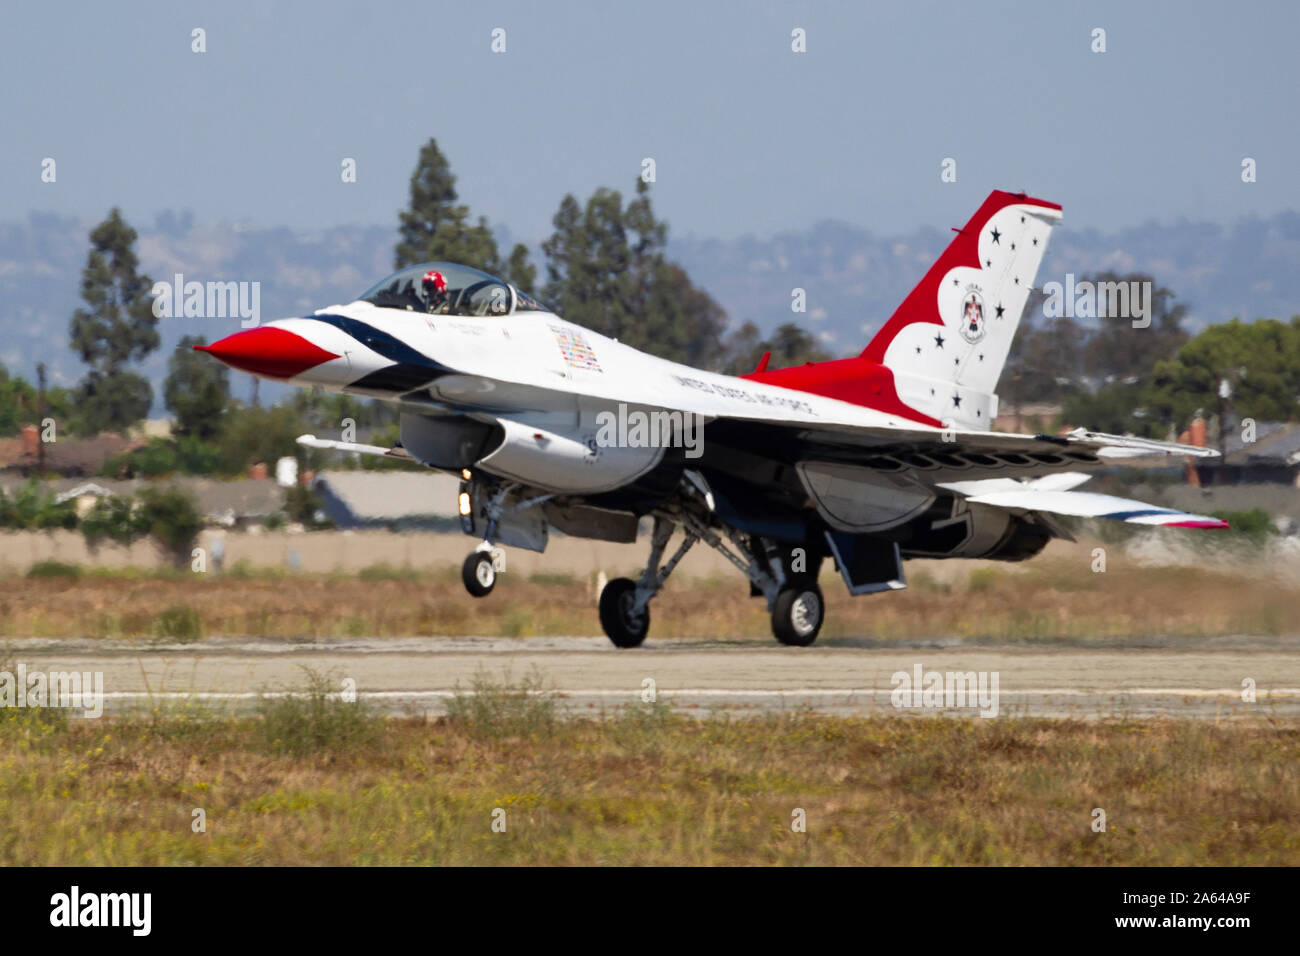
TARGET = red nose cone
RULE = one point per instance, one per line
(275, 353)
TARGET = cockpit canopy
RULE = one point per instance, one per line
(469, 292)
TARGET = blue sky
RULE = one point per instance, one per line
(747, 136)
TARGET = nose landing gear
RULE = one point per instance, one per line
(480, 568)
(479, 573)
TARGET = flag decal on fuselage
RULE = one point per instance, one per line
(573, 346)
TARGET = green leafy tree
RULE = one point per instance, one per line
(1045, 363)
(197, 390)
(113, 518)
(325, 411)
(17, 403)
(20, 404)
(171, 516)
(116, 327)
(436, 227)
(258, 434)
(521, 272)
(742, 349)
(1120, 408)
(1259, 361)
(32, 507)
(606, 269)
(1100, 374)
(1118, 352)
(789, 345)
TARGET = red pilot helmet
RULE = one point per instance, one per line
(434, 282)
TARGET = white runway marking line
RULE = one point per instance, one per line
(698, 692)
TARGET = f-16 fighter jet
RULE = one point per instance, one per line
(868, 460)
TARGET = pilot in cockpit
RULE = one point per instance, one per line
(435, 293)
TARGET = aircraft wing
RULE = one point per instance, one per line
(941, 454)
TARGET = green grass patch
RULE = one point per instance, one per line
(181, 623)
(54, 569)
(316, 718)
(500, 709)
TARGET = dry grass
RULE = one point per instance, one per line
(644, 787)
(1045, 600)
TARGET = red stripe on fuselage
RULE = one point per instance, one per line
(858, 381)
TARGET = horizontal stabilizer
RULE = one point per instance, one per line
(1061, 481)
(1087, 504)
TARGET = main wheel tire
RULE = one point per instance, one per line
(616, 614)
(797, 615)
(479, 574)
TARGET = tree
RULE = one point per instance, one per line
(789, 345)
(519, 271)
(435, 227)
(171, 515)
(197, 390)
(1118, 408)
(1259, 361)
(742, 349)
(606, 269)
(117, 327)
(1119, 352)
(1045, 363)
(18, 403)
(257, 434)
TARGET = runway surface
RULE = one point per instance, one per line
(1198, 679)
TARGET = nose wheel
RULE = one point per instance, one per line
(479, 574)
(797, 614)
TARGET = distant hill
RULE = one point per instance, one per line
(855, 279)
(852, 277)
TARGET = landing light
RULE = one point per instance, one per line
(463, 502)
(464, 473)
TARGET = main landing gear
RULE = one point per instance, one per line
(625, 604)
(797, 615)
(794, 600)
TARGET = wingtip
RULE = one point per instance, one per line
(1202, 523)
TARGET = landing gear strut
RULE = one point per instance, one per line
(789, 586)
(625, 604)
